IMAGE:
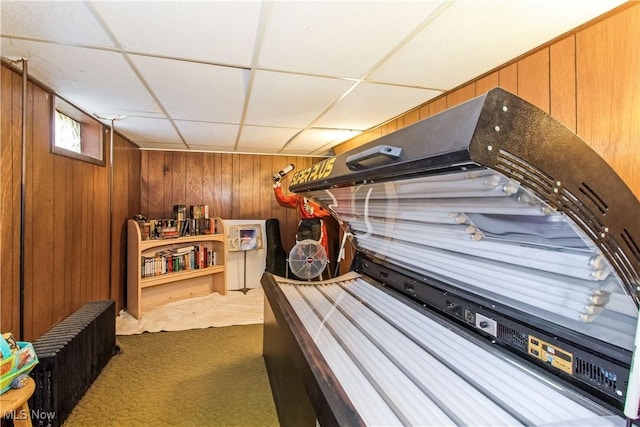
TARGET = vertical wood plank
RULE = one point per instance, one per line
(376, 133)
(10, 172)
(608, 104)
(217, 185)
(194, 168)
(411, 117)
(102, 241)
(392, 126)
(226, 185)
(247, 176)
(258, 184)
(263, 164)
(399, 122)
(59, 244)
(533, 79)
(73, 236)
(383, 129)
(423, 111)
(437, 105)
(93, 264)
(154, 186)
(28, 216)
(16, 137)
(460, 95)
(120, 209)
(127, 185)
(144, 183)
(208, 171)
(42, 214)
(508, 78)
(235, 186)
(84, 225)
(562, 69)
(175, 180)
(6, 202)
(487, 83)
(133, 173)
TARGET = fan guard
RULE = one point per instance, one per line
(307, 259)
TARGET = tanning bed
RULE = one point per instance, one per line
(495, 281)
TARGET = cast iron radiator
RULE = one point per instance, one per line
(72, 355)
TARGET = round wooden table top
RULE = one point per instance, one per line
(16, 397)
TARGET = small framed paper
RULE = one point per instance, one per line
(245, 237)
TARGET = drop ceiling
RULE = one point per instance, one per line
(269, 77)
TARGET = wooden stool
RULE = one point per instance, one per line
(14, 403)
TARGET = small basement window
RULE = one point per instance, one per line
(76, 134)
(68, 133)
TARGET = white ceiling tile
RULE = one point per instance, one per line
(473, 37)
(62, 21)
(194, 91)
(287, 100)
(201, 134)
(336, 38)
(147, 130)
(311, 140)
(305, 52)
(211, 31)
(97, 81)
(371, 104)
(268, 139)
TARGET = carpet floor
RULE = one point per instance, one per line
(200, 377)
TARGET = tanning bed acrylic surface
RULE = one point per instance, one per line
(399, 366)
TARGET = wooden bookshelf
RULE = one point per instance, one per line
(162, 285)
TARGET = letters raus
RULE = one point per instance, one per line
(318, 171)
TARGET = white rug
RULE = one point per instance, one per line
(235, 308)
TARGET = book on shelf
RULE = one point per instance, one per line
(199, 211)
(183, 249)
(180, 212)
(185, 258)
(171, 228)
(185, 228)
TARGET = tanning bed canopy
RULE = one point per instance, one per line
(503, 168)
(502, 226)
(494, 201)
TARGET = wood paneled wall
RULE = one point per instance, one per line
(235, 186)
(10, 171)
(588, 80)
(68, 260)
(126, 203)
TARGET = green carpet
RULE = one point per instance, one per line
(201, 377)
